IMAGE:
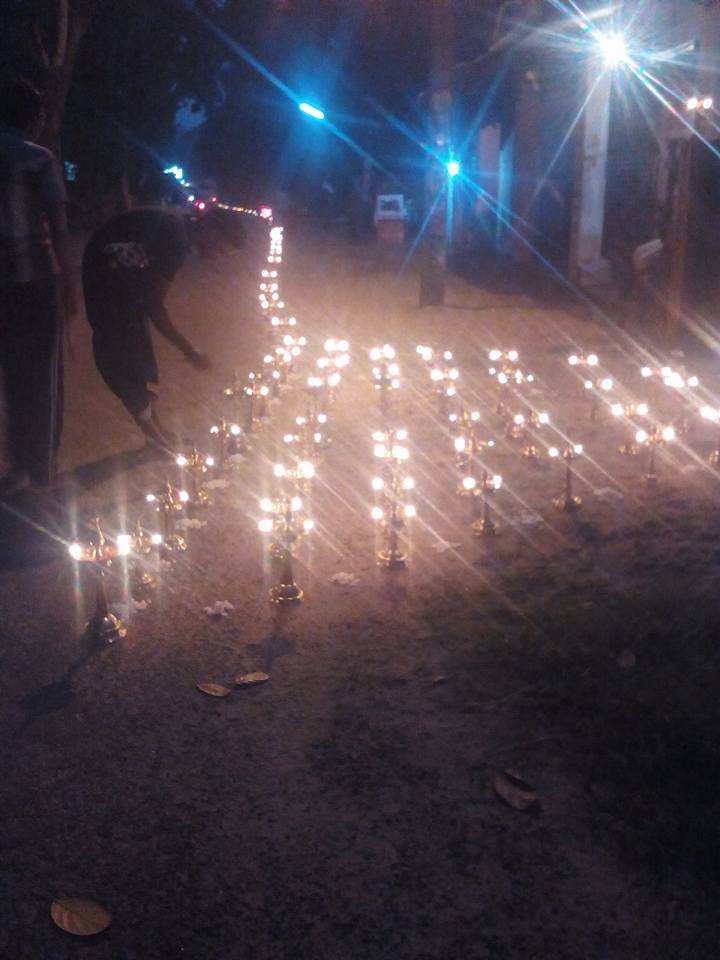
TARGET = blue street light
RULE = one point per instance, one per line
(312, 111)
(453, 168)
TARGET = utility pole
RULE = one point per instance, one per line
(588, 212)
(433, 258)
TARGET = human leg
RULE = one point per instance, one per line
(31, 360)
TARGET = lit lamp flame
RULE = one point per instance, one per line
(567, 500)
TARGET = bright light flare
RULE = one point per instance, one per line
(315, 112)
(124, 544)
(614, 48)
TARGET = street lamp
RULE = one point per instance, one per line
(613, 47)
(453, 168)
(315, 112)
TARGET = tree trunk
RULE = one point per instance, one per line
(71, 27)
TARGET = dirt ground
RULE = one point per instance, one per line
(346, 809)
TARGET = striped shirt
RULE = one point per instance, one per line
(30, 183)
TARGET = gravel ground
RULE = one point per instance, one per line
(345, 809)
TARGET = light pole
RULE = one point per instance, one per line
(586, 261)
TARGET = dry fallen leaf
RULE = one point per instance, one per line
(213, 689)
(80, 917)
(251, 679)
(515, 791)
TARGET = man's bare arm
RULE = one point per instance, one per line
(161, 319)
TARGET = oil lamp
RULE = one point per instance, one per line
(485, 526)
(257, 393)
(567, 500)
(631, 411)
(279, 322)
(385, 375)
(677, 382)
(283, 524)
(272, 366)
(443, 376)
(583, 360)
(311, 433)
(467, 442)
(671, 378)
(168, 505)
(393, 488)
(302, 471)
(141, 543)
(236, 393)
(337, 352)
(596, 388)
(103, 626)
(196, 466)
(524, 427)
(315, 387)
(103, 552)
(229, 440)
(652, 439)
(508, 375)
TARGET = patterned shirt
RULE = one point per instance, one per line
(127, 257)
(30, 183)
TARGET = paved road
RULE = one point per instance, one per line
(342, 810)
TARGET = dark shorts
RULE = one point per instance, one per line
(122, 345)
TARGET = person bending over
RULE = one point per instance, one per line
(128, 266)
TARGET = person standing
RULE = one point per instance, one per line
(128, 266)
(35, 284)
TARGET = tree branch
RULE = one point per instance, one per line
(37, 36)
(62, 34)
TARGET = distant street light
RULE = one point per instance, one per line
(175, 171)
(312, 111)
(613, 48)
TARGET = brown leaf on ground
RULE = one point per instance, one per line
(515, 791)
(83, 918)
(251, 679)
(213, 689)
